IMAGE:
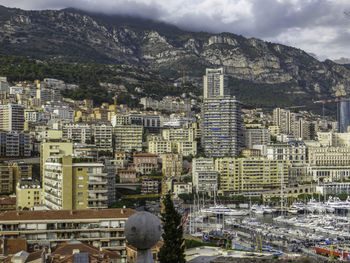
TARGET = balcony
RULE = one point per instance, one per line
(98, 190)
(93, 181)
(97, 198)
(94, 206)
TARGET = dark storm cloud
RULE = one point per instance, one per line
(318, 26)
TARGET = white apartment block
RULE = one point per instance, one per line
(77, 132)
(128, 137)
(103, 135)
(335, 139)
(329, 173)
(329, 156)
(215, 83)
(63, 113)
(204, 176)
(292, 152)
(16, 90)
(31, 115)
(256, 137)
(182, 188)
(182, 134)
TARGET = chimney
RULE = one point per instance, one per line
(71, 212)
(122, 211)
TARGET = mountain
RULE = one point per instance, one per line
(279, 74)
(342, 61)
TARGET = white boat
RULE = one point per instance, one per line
(223, 210)
(230, 221)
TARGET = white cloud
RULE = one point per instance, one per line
(318, 26)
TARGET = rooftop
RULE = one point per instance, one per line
(65, 214)
(145, 155)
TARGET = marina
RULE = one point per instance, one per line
(317, 229)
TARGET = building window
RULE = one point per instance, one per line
(81, 177)
(80, 169)
(80, 203)
(80, 186)
(80, 193)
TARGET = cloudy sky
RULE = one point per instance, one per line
(321, 27)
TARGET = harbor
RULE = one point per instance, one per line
(313, 229)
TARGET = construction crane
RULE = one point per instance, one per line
(323, 103)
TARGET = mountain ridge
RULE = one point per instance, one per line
(79, 36)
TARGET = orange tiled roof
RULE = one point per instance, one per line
(8, 201)
(66, 214)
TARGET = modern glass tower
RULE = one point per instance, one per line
(343, 115)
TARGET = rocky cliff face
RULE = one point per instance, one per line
(77, 36)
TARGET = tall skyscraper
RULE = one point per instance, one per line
(11, 117)
(220, 117)
(343, 115)
(282, 119)
(215, 83)
(221, 126)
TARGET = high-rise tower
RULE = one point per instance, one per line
(343, 115)
(11, 117)
(220, 117)
(215, 83)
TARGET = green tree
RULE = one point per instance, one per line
(173, 248)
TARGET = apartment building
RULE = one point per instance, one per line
(11, 117)
(215, 83)
(144, 163)
(171, 165)
(103, 135)
(74, 183)
(127, 176)
(102, 228)
(31, 115)
(205, 178)
(221, 126)
(167, 103)
(128, 137)
(13, 144)
(182, 188)
(28, 195)
(335, 139)
(251, 175)
(53, 147)
(77, 132)
(182, 134)
(160, 147)
(329, 156)
(6, 179)
(149, 186)
(184, 148)
(293, 152)
(282, 118)
(256, 136)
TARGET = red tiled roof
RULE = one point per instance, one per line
(8, 201)
(66, 214)
(35, 255)
(67, 249)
